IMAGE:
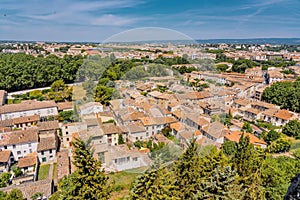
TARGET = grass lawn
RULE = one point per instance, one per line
(295, 144)
(122, 181)
(55, 171)
(43, 172)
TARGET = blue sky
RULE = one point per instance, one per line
(96, 20)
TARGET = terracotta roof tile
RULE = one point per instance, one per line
(4, 155)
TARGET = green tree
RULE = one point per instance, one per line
(16, 170)
(89, 180)
(248, 164)
(36, 195)
(247, 128)
(271, 136)
(157, 183)
(4, 179)
(279, 146)
(229, 148)
(221, 184)
(121, 139)
(292, 128)
(15, 194)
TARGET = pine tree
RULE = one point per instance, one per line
(88, 181)
(187, 171)
(221, 184)
(121, 139)
(248, 164)
(158, 183)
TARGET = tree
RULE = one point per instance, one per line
(5, 177)
(248, 163)
(292, 129)
(15, 194)
(284, 94)
(271, 136)
(121, 139)
(156, 183)
(280, 145)
(247, 128)
(36, 195)
(89, 180)
(187, 172)
(16, 170)
(221, 184)
(229, 148)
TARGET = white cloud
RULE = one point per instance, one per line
(112, 20)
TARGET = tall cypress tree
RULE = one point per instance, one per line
(89, 180)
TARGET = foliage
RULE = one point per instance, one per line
(284, 94)
(88, 181)
(279, 146)
(247, 128)
(66, 116)
(121, 139)
(276, 175)
(16, 170)
(156, 183)
(60, 92)
(241, 65)
(271, 136)
(229, 148)
(5, 176)
(221, 184)
(20, 71)
(14, 194)
(292, 128)
(222, 67)
(36, 195)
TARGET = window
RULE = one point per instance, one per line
(68, 139)
(50, 150)
(42, 152)
(24, 151)
(51, 157)
(29, 145)
(30, 150)
(14, 146)
(44, 159)
(135, 159)
(18, 152)
(141, 137)
(5, 147)
(128, 158)
(67, 132)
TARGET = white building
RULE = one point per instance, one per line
(28, 108)
(20, 143)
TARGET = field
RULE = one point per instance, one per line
(122, 182)
(43, 172)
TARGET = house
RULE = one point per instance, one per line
(136, 131)
(20, 143)
(90, 108)
(26, 121)
(28, 164)
(67, 130)
(251, 114)
(196, 121)
(119, 158)
(65, 106)
(214, 131)
(47, 147)
(111, 131)
(236, 135)
(282, 117)
(176, 128)
(155, 125)
(46, 127)
(28, 108)
(6, 159)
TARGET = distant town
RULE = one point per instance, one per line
(135, 102)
